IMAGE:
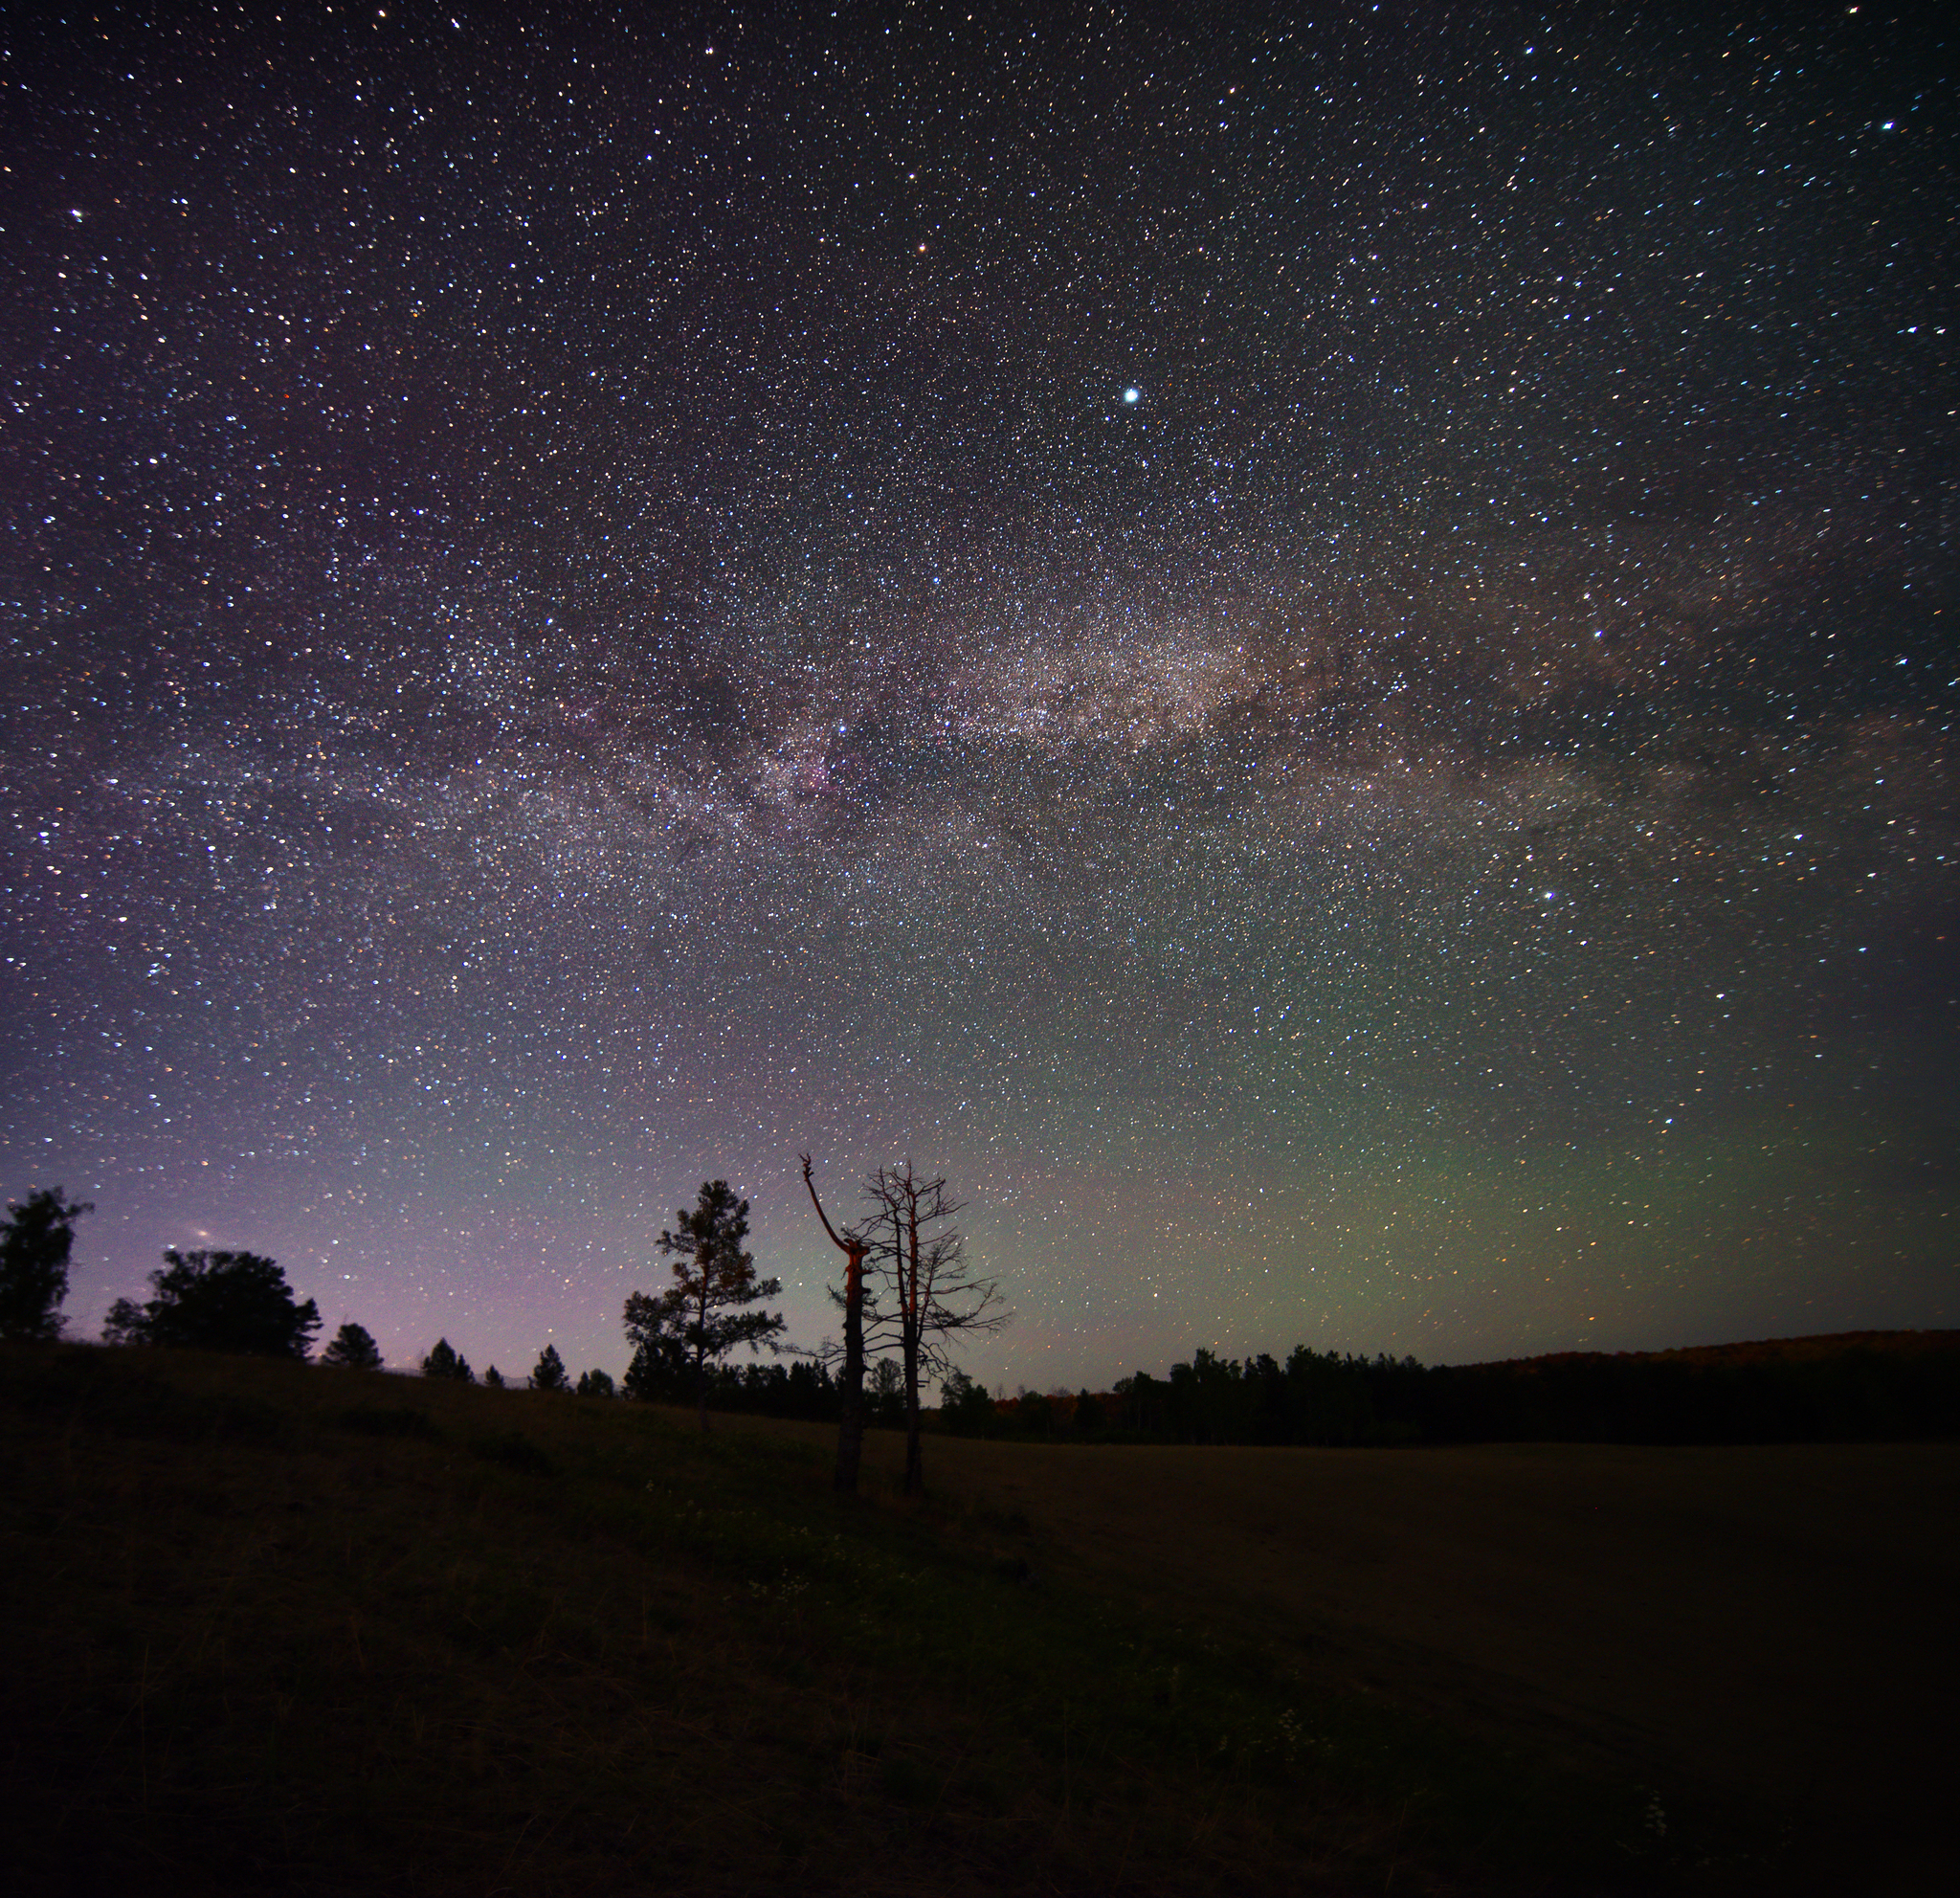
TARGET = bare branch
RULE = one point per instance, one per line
(922, 1296)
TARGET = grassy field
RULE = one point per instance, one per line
(268, 1627)
(1767, 1628)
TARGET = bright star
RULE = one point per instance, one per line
(1132, 394)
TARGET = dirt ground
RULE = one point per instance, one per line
(1776, 1622)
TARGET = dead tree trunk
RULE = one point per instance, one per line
(911, 1314)
(850, 1381)
(937, 1298)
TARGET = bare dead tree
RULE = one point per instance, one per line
(926, 1297)
(851, 1381)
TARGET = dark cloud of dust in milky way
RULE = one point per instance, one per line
(1317, 658)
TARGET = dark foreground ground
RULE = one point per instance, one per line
(1769, 1625)
(269, 1628)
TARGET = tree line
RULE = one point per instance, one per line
(909, 1297)
(1855, 1390)
(909, 1294)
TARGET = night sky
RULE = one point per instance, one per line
(1318, 660)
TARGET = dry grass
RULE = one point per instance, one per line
(1772, 1619)
(268, 1627)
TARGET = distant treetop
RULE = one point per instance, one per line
(353, 1348)
(549, 1374)
(446, 1361)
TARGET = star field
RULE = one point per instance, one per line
(1316, 659)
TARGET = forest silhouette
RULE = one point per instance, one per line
(1851, 1387)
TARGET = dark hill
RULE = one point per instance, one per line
(267, 1627)
(1807, 1349)
(1854, 1387)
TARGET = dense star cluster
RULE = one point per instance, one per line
(1317, 658)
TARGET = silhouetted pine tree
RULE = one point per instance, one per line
(714, 1277)
(353, 1348)
(34, 1244)
(445, 1361)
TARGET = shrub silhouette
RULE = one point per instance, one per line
(218, 1301)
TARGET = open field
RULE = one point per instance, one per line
(268, 1627)
(1774, 1621)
